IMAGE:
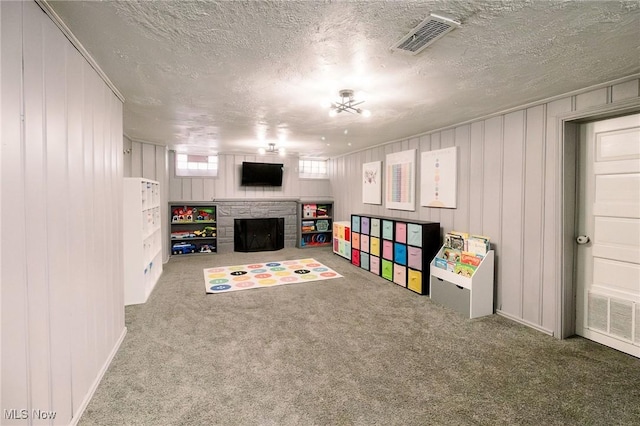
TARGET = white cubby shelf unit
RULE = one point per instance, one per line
(142, 239)
(470, 296)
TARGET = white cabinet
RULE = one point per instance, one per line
(342, 239)
(142, 239)
(470, 296)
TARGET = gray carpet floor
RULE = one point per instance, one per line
(357, 350)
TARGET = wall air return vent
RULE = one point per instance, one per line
(425, 34)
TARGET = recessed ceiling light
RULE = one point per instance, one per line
(346, 131)
(323, 138)
(349, 144)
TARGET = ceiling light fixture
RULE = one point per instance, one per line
(347, 103)
(272, 150)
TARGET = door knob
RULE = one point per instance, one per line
(582, 239)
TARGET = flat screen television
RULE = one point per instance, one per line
(261, 174)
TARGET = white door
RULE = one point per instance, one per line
(608, 241)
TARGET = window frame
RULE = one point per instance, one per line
(198, 166)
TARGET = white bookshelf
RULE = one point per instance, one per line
(142, 239)
(342, 239)
(470, 296)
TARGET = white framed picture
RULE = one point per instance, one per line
(372, 182)
(400, 180)
(438, 178)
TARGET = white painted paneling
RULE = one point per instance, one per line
(518, 209)
(76, 115)
(512, 213)
(99, 226)
(162, 176)
(135, 157)
(175, 184)
(128, 147)
(533, 211)
(627, 90)
(492, 187)
(461, 213)
(227, 184)
(64, 175)
(36, 195)
(56, 204)
(476, 178)
(149, 161)
(15, 389)
(446, 215)
(434, 213)
(209, 189)
(186, 189)
(197, 188)
(591, 99)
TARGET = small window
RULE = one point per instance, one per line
(196, 165)
(313, 169)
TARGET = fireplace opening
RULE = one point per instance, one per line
(264, 234)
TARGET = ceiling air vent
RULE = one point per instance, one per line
(425, 34)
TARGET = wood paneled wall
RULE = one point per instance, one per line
(227, 184)
(509, 188)
(62, 301)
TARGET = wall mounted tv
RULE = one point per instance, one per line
(261, 174)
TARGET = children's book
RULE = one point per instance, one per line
(454, 241)
(478, 245)
(440, 263)
(470, 259)
(451, 255)
(464, 235)
(464, 269)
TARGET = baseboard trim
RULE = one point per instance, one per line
(94, 386)
(524, 322)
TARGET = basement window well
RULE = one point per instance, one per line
(196, 165)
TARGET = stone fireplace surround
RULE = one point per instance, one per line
(228, 210)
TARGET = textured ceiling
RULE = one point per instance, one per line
(220, 76)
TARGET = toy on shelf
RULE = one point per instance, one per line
(309, 210)
(182, 214)
(322, 211)
(178, 235)
(183, 247)
(206, 248)
(204, 215)
(207, 231)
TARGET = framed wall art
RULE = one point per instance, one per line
(400, 180)
(372, 182)
(438, 178)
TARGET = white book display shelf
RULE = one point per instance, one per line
(470, 296)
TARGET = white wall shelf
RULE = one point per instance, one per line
(470, 296)
(142, 239)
